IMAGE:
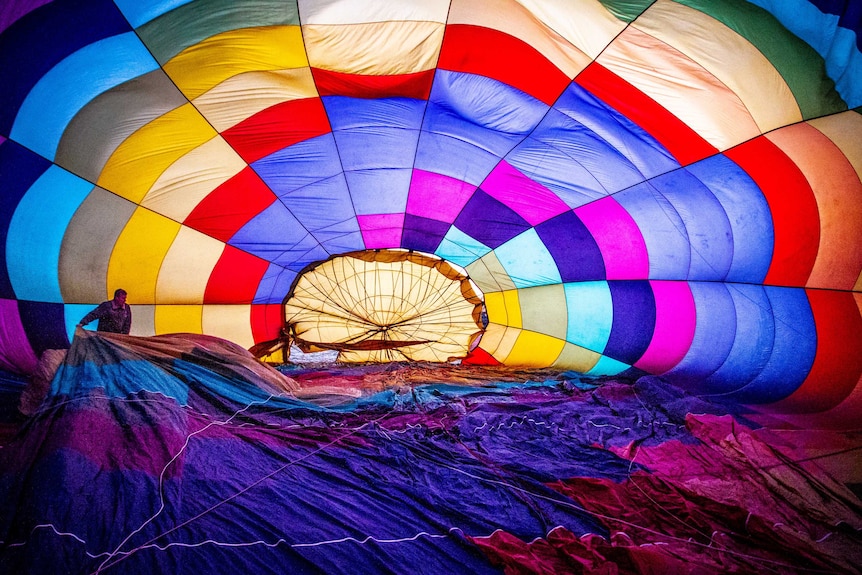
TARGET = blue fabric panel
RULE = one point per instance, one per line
(662, 229)
(748, 215)
(714, 334)
(455, 158)
(379, 191)
(608, 366)
(363, 114)
(302, 164)
(43, 323)
(705, 222)
(640, 149)
(482, 111)
(20, 168)
(36, 234)
(573, 247)
(117, 380)
(753, 344)
(274, 235)
(793, 352)
(422, 234)
(322, 205)
(527, 261)
(72, 84)
(590, 314)
(64, 26)
(489, 221)
(634, 320)
(276, 283)
(139, 12)
(459, 248)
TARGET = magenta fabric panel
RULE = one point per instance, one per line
(436, 196)
(381, 230)
(618, 237)
(675, 319)
(528, 198)
(19, 356)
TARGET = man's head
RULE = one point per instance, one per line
(120, 296)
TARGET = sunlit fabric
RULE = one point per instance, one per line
(666, 187)
(385, 306)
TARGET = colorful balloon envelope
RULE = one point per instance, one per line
(667, 187)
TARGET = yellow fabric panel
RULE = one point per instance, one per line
(230, 322)
(682, 86)
(503, 308)
(512, 18)
(577, 358)
(182, 186)
(498, 340)
(186, 268)
(489, 274)
(535, 350)
(838, 192)
(586, 24)
(244, 95)
(178, 319)
(732, 59)
(141, 159)
(376, 49)
(364, 11)
(138, 255)
(198, 68)
(543, 310)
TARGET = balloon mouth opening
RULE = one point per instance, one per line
(385, 305)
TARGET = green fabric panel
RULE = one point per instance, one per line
(626, 10)
(88, 243)
(798, 63)
(174, 31)
(102, 125)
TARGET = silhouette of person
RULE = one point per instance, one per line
(114, 315)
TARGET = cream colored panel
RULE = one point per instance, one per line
(143, 320)
(385, 48)
(584, 23)
(682, 86)
(543, 310)
(498, 340)
(187, 267)
(244, 95)
(577, 358)
(230, 322)
(845, 130)
(363, 11)
(182, 186)
(488, 273)
(729, 57)
(510, 17)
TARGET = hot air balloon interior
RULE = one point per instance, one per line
(431, 286)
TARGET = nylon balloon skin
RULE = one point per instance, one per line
(667, 187)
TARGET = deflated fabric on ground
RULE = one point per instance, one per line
(179, 455)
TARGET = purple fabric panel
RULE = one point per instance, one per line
(10, 12)
(574, 249)
(423, 234)
(437, 196)
(530, 199)
(18, 356)
(489, 221)
(634, 320)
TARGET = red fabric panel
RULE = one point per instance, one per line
(235, 277)
(838, 363)
(479, 357)
(278, 127)
(416, 85)
(231, 205)
(791, 200)
(478, 50)
(266, 321)
(681, 141)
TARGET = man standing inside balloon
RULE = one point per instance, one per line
(114, 315)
